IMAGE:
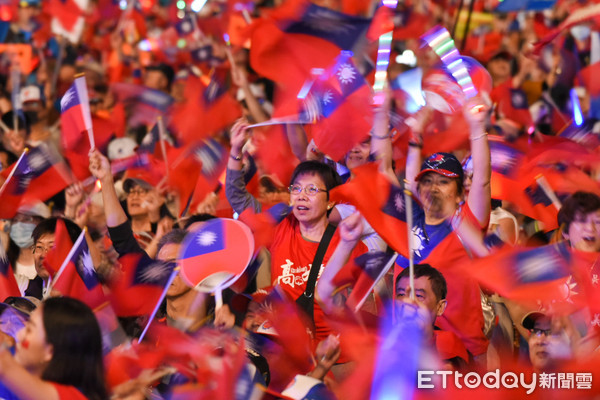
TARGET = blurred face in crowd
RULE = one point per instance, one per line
(548, 345)
(136, 198)
(40, 249)
(439, 194)
(155, 80)
(309, 208)
(14, 141)
(499, 69)
(584, 232)
(169, 253)
(359, 155)
(32, 351)
(424, 295)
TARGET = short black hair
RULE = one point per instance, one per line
(329, 176)
(579, 203)
(438, 282)
(48, 226)
(202, 217)
(175, 236)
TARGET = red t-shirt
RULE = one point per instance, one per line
(291, 260)
(68, 392)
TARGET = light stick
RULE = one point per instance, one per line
(383, 59)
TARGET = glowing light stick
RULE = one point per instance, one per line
(440, 41)
(577, 115)
(383, 58)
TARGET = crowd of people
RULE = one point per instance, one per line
(412, 240)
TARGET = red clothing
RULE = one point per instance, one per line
(68, 392)
(291, 260)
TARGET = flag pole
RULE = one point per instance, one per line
(84, 100)
(409, 226)
(162, 134)
(15, 77)
(12, 172)
(66, 262)
(160, 300)
(543, 183)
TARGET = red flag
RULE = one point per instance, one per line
(75, 113)
(77, 277)
(65, 11)
(589, 76)
(38, 175)
(139, 288)
(197, 118)
(8, 283)
(274, 153)
(381, 203)
(263, 224)
(60, 251)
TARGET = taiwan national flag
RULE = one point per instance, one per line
(373, 266)
(144, 104)
(263, 224)
(381, 204)
(213, 159)
(77, 276)
(530, 275)
(75, 113)
(38, 175)
(140, 287)
(8, 284)
(300, 36)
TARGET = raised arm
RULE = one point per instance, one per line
(381, 143)
(417, 125)
(350, 229)
(22, 383)
(235, 187)
(479, 199)
(100, 168)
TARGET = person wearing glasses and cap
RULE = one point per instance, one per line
(549, 343)
(438, 186)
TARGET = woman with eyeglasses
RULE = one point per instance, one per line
(58, 355)
(298, 236)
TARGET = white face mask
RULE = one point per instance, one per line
(20, 233)
(580, 32)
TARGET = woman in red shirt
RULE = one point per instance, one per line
(58, 354)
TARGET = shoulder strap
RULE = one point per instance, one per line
(316, 265)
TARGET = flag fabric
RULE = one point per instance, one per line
(588, 13)
(67, 12)
(75, 113)
(39, 174)
(144, 104)
(529, 275)
(8, 283)
(299, 36)
(196, 118)
(60, 251)
(506, 160)
(212, 157)
(373, 266)
(343, 100)
(140, 286)
(524, 5)
(113, 334)
(77, 277)
(380, 203)
(263, 224)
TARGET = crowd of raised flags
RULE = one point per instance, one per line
(156, 86)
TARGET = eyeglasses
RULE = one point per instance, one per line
(539, 332)
(39, 249)
(139, 192)
(310, 190)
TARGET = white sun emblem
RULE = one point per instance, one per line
(399, 202)
(67, 98)
(596, 320)
(86, 265)
(346, 74)
(154, 272)
(567, 289)
(595, 279)
(417, 240)
(207, 238)
(36, 161)
(202, 54)
(327, 97)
